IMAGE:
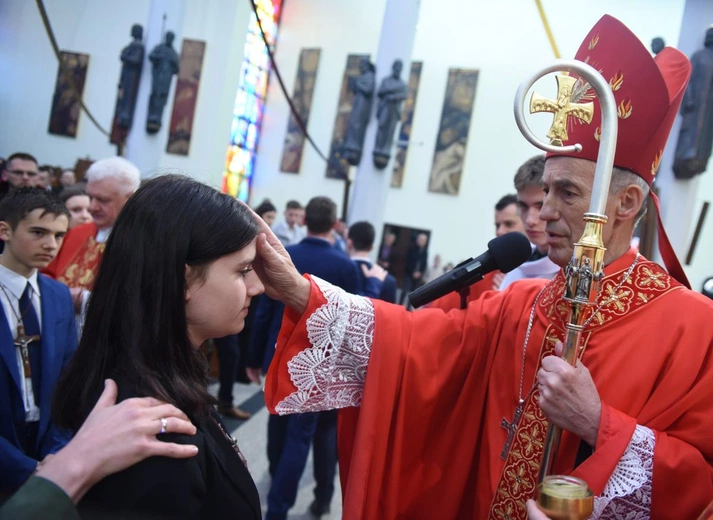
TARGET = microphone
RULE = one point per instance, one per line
(504, 253)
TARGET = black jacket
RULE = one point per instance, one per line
(214, 484)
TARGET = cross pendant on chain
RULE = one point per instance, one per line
(22, 341)
(511, 427)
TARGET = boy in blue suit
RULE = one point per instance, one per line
(37, 331)
(373, 284)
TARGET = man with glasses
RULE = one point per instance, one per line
(20, 171)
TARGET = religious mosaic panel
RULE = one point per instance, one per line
(397, 176)
(185, 97)
(338, 167)
(449, 156)
(302, 100)
(64, 115)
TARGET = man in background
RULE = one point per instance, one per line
(110, 183)
(20, 171)
(416, 265)
(360, 244)
(290, 231)
(530, 195)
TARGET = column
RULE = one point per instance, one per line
(371, 186)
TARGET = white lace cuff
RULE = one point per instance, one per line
(331, 373)
(628, 491)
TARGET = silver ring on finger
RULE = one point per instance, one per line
(164, 424)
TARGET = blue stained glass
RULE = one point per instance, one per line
(249, 100)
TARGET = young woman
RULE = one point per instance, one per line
(177, 270)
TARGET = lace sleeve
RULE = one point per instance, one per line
(330, 374)
(628, 491)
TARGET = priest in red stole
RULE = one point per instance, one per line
(443, 415)
(110, 183)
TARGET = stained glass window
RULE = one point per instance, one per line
(250, 100)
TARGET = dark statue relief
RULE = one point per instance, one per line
(363, 88)
(132, 59)
(392, 93)
(164, 61)
(657, 45)
(695, 139)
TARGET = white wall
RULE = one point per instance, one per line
(682, 200)
(505, 40)
(29, 70)
(339, 28)
(102, 29)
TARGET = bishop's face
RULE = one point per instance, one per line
(568, 188)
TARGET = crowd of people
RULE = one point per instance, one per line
(435, 413)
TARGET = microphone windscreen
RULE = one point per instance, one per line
(510, 250)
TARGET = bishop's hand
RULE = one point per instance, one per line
(568, 396)
(276, 271)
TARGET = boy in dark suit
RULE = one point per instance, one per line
(359, 245)
(37, 331)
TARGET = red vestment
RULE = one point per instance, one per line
(77, 262)
(426, 440)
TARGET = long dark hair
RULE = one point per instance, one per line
(136, 327)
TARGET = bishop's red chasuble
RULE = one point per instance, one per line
(424, 396)
(77, 262)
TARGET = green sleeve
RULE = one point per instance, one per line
(39, 498)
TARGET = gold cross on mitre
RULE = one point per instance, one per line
(562, 108)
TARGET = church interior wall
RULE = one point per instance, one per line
(504, 40)
(102, 30)
(29, 71)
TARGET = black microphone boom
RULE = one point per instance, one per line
(504, 253)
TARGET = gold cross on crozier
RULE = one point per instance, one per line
(22, 341)
(562, 108)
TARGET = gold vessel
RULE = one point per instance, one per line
(565, 498)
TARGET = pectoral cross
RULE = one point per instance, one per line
(22, 341)
(562, 108)
(511, 427)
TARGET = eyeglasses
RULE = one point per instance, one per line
(23, 173)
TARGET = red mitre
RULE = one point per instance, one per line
(648, 92)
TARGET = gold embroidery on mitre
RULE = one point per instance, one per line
(569, 91)
(656, 163)
(617, 81)
(593, 42)
(624, 109)
(598, 133)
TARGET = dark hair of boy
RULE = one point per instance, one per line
(17, 204)
(320, 215)
(505, 202)
(362, 235)
(530, 173)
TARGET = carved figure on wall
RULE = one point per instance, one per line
(695, 140)
(363, 87)
(657, 45)
(392, 93)
(132, 59)
(164, 60)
